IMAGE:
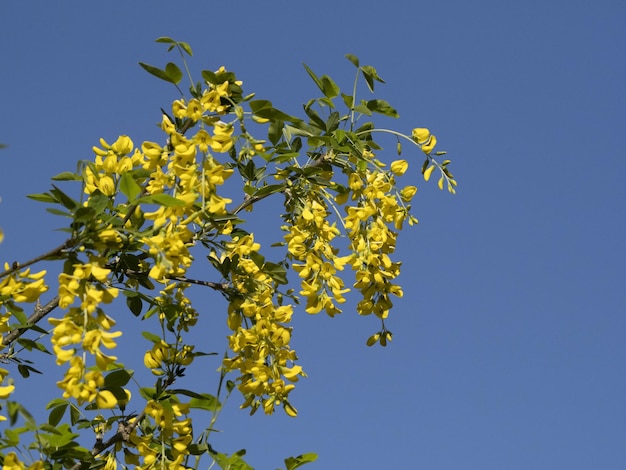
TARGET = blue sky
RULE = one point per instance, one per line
(508, 347)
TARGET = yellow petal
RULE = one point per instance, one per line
(290, 410)
(6, 391)
(105, 399)
(399, 167)
(420, 135)
(428, 172)
(430, 145)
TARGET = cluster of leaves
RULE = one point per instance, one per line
(135, 232)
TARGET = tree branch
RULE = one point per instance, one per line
(38, 314)
(213, 285)
(55, 251)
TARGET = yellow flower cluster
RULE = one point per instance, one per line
(309, 241)
(372, 240)
(214, 100)
(111, 161)
(12, 462)
(260, 338)
(22, 286)
(17, 286)
(174, 426)
(88, 329)
(424, 138)
(164, 355)
(80, 284)
(175, 169)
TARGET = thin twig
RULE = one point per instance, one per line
(55, 251)
(38, 314)
(213, 285)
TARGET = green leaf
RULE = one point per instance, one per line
(332, 122)
(197, 449)
(348, 100)
(269, 189)
(63, 198)
(11, 438)
(329, 87)
(275, 115)
(187, 393)
(67, 176)
(317, 81)
(129, 186)
(117, 378)
(151, 337)
(159, 73)
(382, 107)
(276, 272)
(207, 402)
(84, 214)
(161, 199)
(148, 393)
(174, 72)
(54, 211)
(98, 202)
(186, 47)
(23, 370)
(57, 436)
(173, 43)
(294, 462)
(56, 414)
(21, 317)
(290, 131)
(258, 258)
(257, 105)
(56, 402)
(134, 305)
(354, 59)
(363, 109)
(30, 344)
(275, 132)
(166, 40)
(75, 415)
(233, 462)
(314, 116)
(42, 198)
(370, 75)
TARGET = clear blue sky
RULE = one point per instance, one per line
(509, 348)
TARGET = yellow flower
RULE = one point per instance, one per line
(167, 125)
(106, 185)
(105, 400)
(123, 145)
(420, 135)
(11, 462)
(430, 145)
(203, 140)
(408, 192)
(194, 110)
(222, 140)
(179, 109)
(290, 410)
(6, 391)
(399, 167)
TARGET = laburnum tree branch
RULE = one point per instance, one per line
(70, 242)
(40, 312)
(143, 213)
